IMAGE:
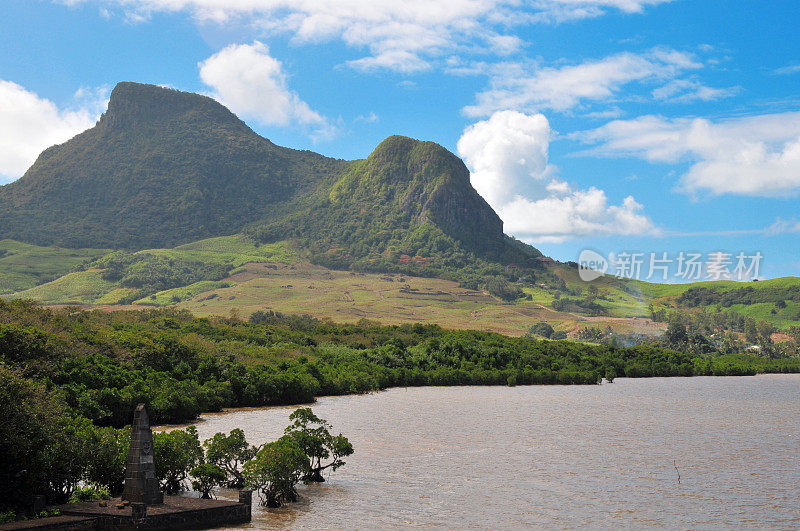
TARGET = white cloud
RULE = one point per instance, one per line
(685, 90)
(782, 226)
(403, 36)
(508, 159)
(531, 88)
(613, 112)
(565, 10)
(577, 213)
(250, 82)
(29, 124)
(507, 151)
(791, 69)
(756, 155)
(370, 118)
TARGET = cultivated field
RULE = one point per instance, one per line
(391, 299)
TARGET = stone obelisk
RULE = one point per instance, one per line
(141, 484)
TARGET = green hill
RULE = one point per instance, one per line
(405, 181)
(408, 207)
(160, 168)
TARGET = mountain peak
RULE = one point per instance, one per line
(403, 147)
(395, 143)
(425, 182)
(133, 104)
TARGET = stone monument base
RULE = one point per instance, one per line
(176, 512)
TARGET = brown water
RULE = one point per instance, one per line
(554, 456)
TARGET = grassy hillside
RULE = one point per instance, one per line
(176, 295)
(232, 251)
(348, 297)
(776, 301)
(619, 297)
(23, 266)
(255, 277)
(654, 290)
(84, 287)
(233, 273)
(143, 273)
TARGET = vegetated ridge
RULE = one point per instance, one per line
(163, 168)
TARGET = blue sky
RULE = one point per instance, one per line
(619, 125)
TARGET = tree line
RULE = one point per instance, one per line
(103, 364)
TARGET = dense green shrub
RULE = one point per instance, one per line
(541, 329)
(176, 453)
(275, 470)
(207, 477)
(89, 493)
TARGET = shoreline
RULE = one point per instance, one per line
(233, 410)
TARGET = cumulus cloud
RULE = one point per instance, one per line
(529, 87)
(576, 213)
(401, 36)
(505, 152)
(756, 155)
(250, 82)
(508, 159)
(29, 124)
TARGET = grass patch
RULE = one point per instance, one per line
(115, 296)
(176, 295)
(657, 291)
(784, 318)
(229, 250)
(24, 266)
(87, 286)
(347, 297)
(84, 287)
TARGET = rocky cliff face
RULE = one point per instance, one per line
(426, 183)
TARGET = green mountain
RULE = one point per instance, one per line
(418, 183)
(160, 168)
(408, 206)
(163, 168)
